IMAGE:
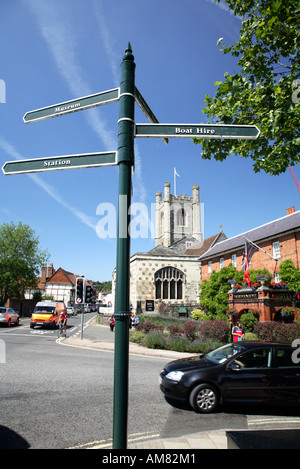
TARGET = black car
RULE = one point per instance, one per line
(238, 372)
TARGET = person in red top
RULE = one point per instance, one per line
(238, 332)
(62, 322)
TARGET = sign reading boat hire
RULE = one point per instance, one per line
(72, 106)
(197, 130)
(52, 163)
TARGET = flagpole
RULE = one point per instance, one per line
(175, 182)
(251, 242)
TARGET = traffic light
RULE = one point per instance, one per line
(88, 293)
(297, 300)
(79, 294)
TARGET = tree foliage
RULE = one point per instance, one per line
(265, 91)
(20, 260)
(289, 274)
(214, 292)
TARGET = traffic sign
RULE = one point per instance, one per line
(74, 105)
(197, 131)
(53, 163)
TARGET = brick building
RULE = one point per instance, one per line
(278, 240)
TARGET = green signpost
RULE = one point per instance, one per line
(127, 95)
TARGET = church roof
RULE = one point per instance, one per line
(162, 251)
(198, 249)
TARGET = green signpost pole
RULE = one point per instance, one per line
(122, 314)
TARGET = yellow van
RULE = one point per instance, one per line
(46, 314)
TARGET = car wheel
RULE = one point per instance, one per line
(17, 321)
(204, 398)
(9, 323)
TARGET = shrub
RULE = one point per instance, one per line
(214, 330)
(148, 326)
(137, 336)
(190, 330)
(198, 315)
(277, 331)
(248, 321)
(155, 339)
(174, 330)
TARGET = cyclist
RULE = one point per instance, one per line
(62, 322)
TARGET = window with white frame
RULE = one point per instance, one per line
(209, 265)
(233, 259)
(276, 277)
(276, 249)
(221, 262)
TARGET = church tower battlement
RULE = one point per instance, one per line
(177, 217)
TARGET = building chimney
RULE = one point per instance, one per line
(290, 210)
(44, 273)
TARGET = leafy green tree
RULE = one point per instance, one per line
(266, 89)
(20, 260)
(214, 292)
(289, 274)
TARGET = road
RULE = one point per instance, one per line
(54, 396)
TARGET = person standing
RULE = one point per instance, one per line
(238, 333)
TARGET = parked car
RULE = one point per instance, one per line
(71, 311)
(237, 372)
(8, 316)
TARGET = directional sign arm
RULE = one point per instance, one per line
(197, 131)
(55, 163)
(146, 110)
(74, 105)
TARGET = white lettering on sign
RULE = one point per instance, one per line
(190, 130)
(179, 130)
(57, 163)
(67, 107)
(201, 130)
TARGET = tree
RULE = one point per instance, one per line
(20, 260)
(214, 292)
(266, 91)
(289, 274)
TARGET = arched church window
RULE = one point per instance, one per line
(181, 217)
(169, 284)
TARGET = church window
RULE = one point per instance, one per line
(168, 284)
(181, 217)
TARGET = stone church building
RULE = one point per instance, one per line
(170, 272)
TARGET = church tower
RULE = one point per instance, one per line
(177, 217)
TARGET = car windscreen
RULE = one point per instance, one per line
(44, 309)
(222, 354)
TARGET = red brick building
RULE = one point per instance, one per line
(279, 239)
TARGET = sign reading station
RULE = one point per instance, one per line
(85, 160)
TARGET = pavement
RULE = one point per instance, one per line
(99, 337)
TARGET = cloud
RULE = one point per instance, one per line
(48, 188)
(61, 41)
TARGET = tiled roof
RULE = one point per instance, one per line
(200, 248)
(62, 277)
(282, 225)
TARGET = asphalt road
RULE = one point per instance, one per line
(53, 396)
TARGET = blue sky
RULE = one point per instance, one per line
(58, 50)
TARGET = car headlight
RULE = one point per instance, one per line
(175, 375)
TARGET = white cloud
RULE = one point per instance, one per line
(48, 188)
(61, 41)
